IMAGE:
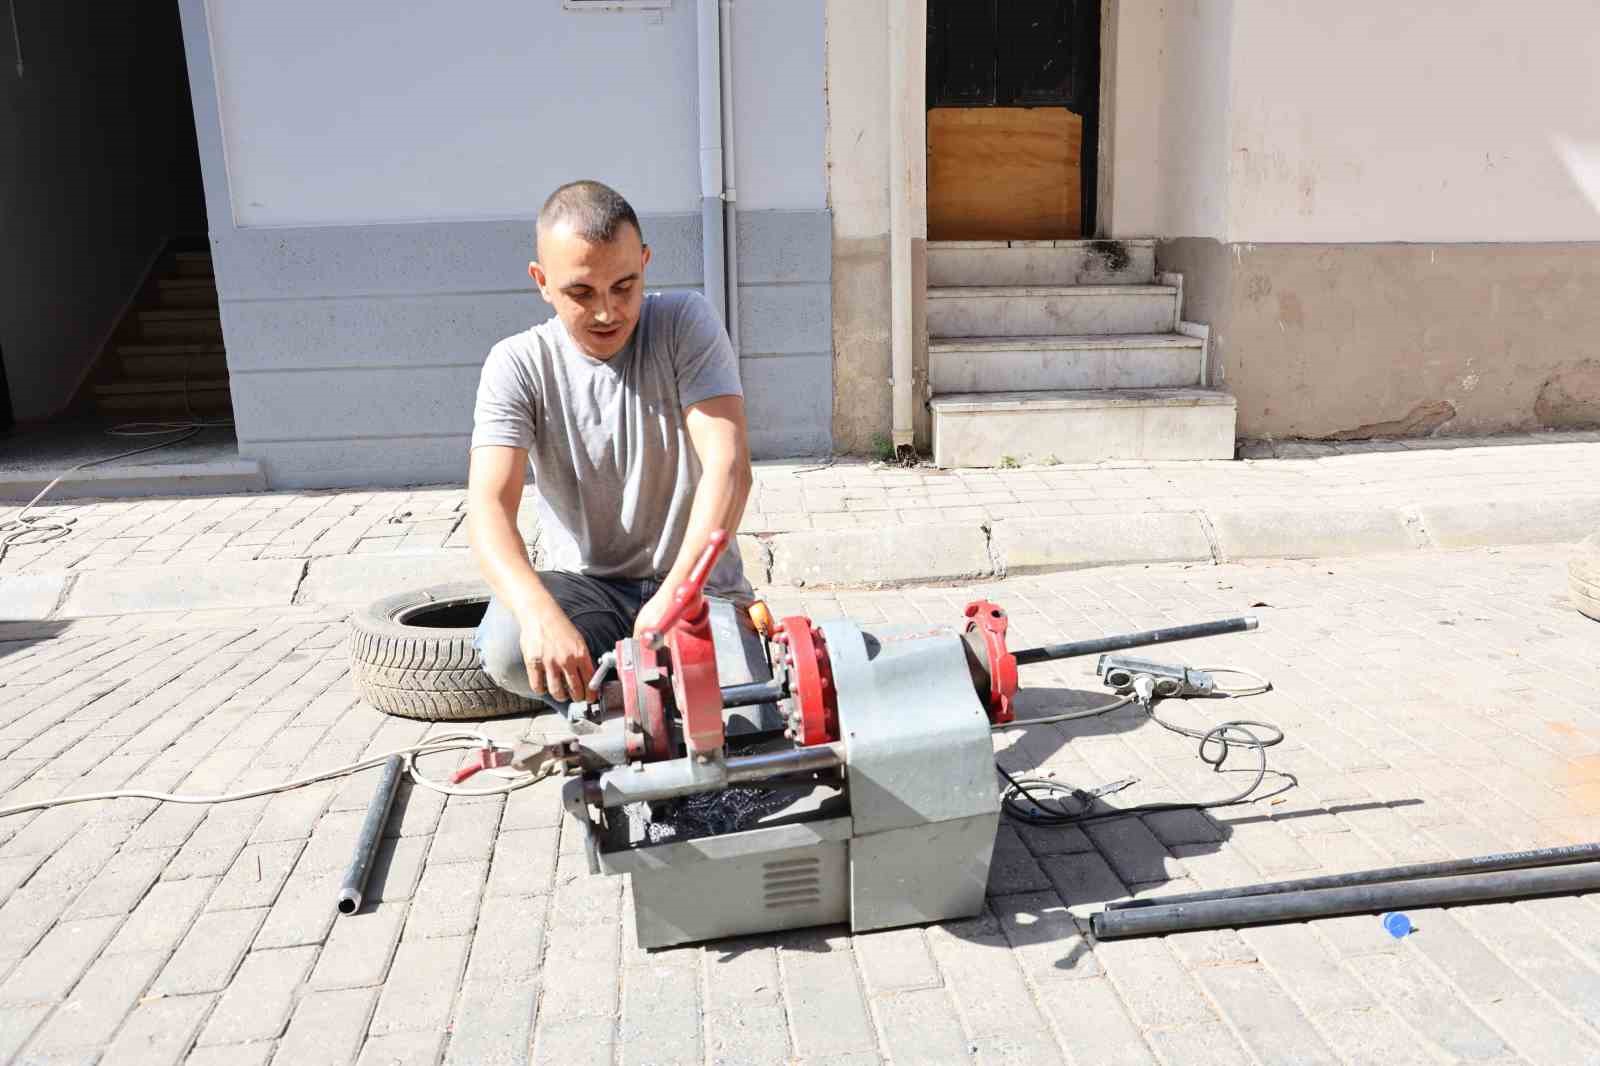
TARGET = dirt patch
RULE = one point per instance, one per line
(1114, 253)
(1570, 398)
(1420, 421)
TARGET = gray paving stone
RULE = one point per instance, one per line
(1538, 955)
(1539, 1033)
(466, 833)
(985, 979)
(1374, 1037)
(1463, 959)
(896, 960)
(1047, 941)
(509, 940)
(358, 952)
(741, 973)
(1210, 947)
(588, 959)
(1157, 990)
(257, 1003)
(121, 883)
(1264, 1016)
(98, 1004)
(447, 899)
(493, 1022)
(826, 1008)
(304, 910)
(1208, 1044)
(755, 1035)
(327, 1028)
(1419, 997)
(921, 1026)
(579, 1041)
(524, 862)
(158, 1031)
(1113, 1039)
(16, 1025)
(1133, 851)
(417, 994)
(1307, 968)
(402, 1049)
(208, 955)
(256, 876)
(162, 918)
(231, 1055)
(661, 1015)
(168, 588)
(50, 970)
(1083, 880)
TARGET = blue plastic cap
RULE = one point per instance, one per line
(1396, 924)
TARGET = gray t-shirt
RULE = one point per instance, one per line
(614, 472)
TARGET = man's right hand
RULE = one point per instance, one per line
(556, 656)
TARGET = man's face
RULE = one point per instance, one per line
(596, 289)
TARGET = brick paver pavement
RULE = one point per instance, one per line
(850, 494)
(1436, 704)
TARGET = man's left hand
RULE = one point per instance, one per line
(653, 610)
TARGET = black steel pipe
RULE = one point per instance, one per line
(1356, 899)
(1074, 648)
(355, 879)
(752, 693)
(1507, 860)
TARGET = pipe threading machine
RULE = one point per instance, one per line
(755, 775)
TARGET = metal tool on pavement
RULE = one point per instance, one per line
(830, 773)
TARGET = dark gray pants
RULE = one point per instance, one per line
(603, 610)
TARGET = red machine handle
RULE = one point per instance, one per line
(689, 600)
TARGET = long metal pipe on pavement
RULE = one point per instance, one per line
(1071, 649)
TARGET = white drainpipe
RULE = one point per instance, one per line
(908, 36)
(730, 196)
(711, 122)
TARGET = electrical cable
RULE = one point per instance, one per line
(22, 529)
(1069, 716)
(1040, 793)
(427, 746)
(16, 35)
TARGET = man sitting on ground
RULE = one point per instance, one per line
(628, 408)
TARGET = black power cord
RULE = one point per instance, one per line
(1027, 798)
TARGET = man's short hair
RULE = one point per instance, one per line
(595, 211)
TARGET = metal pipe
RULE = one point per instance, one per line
(355, 879)
(713, 251)
(753, 692)
(793, 761)
(1508, 860)
(1135, 640)
(729, 191)
(1356, 899)
(643, 782)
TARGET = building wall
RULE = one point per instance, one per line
(1383, 215)
(92, 176)
(380, 190)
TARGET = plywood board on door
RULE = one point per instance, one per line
(1004, 173)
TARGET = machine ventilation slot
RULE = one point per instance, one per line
(795, 883)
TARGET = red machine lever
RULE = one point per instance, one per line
(989, 621)
(689, 600)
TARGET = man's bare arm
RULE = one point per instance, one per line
(558, 660)
(718, 434)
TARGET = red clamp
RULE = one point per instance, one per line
(811, 673)
(686, 631)
(990, 620)
(489, 758)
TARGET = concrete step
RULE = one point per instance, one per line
(173, 360)
(193, 264)
(165, 397)
(1051, 310)
(1033, 364)
(187, 292)
(1041, 262)
(1005, 428)
(181, 325)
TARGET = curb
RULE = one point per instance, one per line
(881, 557)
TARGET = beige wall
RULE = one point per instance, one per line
(858, 195)
(1361, 121)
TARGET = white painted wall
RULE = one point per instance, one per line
(858, 117)
(1365, 120)
(1360, 121)
(366, 111)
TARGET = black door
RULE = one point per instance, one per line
(1033, 65)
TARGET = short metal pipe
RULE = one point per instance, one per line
(794, 761)
(355, 879)
(1357, 899)
(1508, 860)
(644, 782)
(752, 693)
(1072, 649)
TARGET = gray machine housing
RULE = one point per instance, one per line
(909, 841)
